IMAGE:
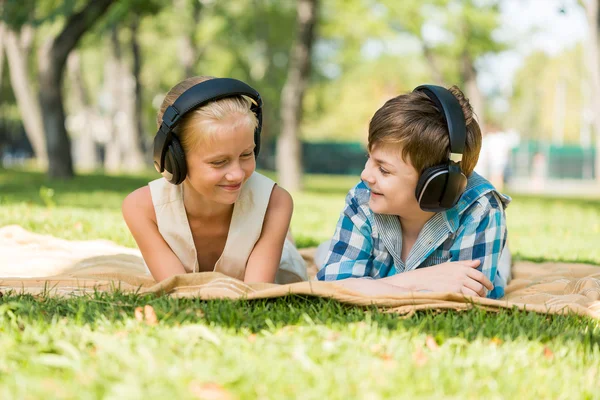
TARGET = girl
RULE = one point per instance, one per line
(211, 211)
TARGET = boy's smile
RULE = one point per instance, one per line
(392, 181)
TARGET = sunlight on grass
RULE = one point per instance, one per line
(89, 207)
(94, 347)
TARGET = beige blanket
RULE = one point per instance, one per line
(37, 264)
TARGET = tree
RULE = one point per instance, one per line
(289, 150)
(2, 36)
(52, 61)
(592, 8)
(467, 28)
(18, 46)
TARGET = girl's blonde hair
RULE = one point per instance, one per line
(206, 121)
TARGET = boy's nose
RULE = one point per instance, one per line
(366, 175)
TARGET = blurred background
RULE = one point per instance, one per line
(81, 80)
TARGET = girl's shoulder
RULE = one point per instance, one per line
(280, 199)
(138, 204)
(275, 195)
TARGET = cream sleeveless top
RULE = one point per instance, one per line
(244, 231)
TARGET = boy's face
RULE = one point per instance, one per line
(392, 182)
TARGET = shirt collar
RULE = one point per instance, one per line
(477, 186)
(436, 230)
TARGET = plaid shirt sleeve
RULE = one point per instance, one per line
(482, 237)
(350, 251)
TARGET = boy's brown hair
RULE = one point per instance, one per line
(414, 122)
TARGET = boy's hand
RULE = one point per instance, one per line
(456, 276)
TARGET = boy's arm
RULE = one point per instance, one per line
(350, 251)
(483, 238)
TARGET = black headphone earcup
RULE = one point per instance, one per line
(455, 187)
(175, 166)
(257, 110)
(430, 187)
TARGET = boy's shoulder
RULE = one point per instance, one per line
(359, 193)
(480, 196)
(357, 205)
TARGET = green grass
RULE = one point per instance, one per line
(93, 346)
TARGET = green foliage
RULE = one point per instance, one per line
(15, 13)
(534, 99)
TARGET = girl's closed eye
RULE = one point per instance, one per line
(383, 171)
(218, 163)
(246, 155)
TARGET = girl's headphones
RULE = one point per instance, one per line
(439, 187)
(169, 158)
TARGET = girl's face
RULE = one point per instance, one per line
(392, 182)
(218, 167)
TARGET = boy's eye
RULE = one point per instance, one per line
(218, 163)
(247, 154)
(383, 171)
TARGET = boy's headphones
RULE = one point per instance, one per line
(439, 187)
(169, 158)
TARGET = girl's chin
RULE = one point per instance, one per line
(228, 198)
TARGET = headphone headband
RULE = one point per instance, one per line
(452, 113)
(439, 187)
(199, 95)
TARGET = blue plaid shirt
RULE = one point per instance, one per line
(366, 244)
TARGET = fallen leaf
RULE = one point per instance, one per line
(150, 315)
(548, 353)
(139, 314)
(252, 338)
(497, 341)
(210, 391)
(376, 348)
(419, 357)
(431, 343)
(390, 363)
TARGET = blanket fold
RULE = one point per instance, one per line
(36, 264)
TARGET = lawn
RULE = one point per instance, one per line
(296, 347)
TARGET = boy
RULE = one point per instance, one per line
(420, 219)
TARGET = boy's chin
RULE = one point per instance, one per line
(377, 207)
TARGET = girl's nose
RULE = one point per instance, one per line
(235, 174)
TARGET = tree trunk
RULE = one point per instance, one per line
(593, 17)
(53, 57)
(28, 104)
(124, 148)
(438, 77)
(188, 48)
(82, 115)
(472, 91)
(137, 68)
(2, 35)
(112, 78)
(134, 146)
(289, 150)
